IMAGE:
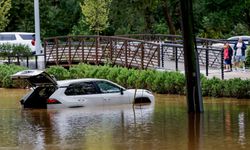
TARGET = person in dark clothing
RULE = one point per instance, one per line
(239, 53)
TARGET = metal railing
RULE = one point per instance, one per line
(126, 52)
(26, 61)
(141, 51)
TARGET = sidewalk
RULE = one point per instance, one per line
(212, 72)
(228, 75)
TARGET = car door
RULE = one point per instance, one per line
(113, 94)
(82, 94)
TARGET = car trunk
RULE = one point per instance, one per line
(38, 98)
(44, 86)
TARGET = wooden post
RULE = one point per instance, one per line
(207, 61)
(57, 53)
(160, 56)
(36, 63)
(142, 55)
(45, 49)
(126, 53)
(97, 40)
(70, 59)
(111, 49)
(18, 60)
(192, 72)
(83, 42)
(222, 64)
(27, 61)
(176, 58)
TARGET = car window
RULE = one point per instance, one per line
(26, 36)
(7, 37)
(107, 87)
(245, 39)
(82, 88)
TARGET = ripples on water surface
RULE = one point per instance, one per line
(224, 125)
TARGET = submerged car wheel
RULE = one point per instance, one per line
(139, 100)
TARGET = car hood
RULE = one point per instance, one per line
(35, 77)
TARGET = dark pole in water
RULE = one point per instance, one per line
(192, 71)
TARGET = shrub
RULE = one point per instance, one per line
(156, 81)
(8, 49)
(5, 72)
(58, 72)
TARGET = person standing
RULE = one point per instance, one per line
(239, 53)
(228, 52)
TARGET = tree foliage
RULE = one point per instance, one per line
(96, 14)
(5, 6)
(213, 18)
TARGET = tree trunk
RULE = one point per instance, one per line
(247, 19)
(168, 17)
(148, 19)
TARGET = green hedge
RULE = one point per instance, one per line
(157, 81)
(8, 49)
(5, 72)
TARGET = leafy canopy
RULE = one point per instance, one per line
(96, 14)
(5, 6)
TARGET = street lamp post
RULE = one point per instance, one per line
(37, 28)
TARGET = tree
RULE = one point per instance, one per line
(5, 6)
(96, 13)
(168, 17)
(125, 18)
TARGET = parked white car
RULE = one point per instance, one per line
(49, 93)
(232, 40)
(24, 38)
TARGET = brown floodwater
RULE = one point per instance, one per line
(224, 125)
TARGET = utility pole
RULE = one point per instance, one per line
(191, 60)
(37, 28)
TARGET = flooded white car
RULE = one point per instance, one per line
(48, 93)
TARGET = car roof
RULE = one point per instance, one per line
(68, 82)
(16, 33)
(244, 37)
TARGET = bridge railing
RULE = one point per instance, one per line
(209, 58)
(68, 50)
(209, 51)
(177, 39)
(128, 52)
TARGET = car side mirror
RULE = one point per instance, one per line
(121, 90)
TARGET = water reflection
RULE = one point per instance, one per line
(241, 124)
(84, 126)
(224, 125)
(195, 131)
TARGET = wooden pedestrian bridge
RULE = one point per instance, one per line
(140, 51)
